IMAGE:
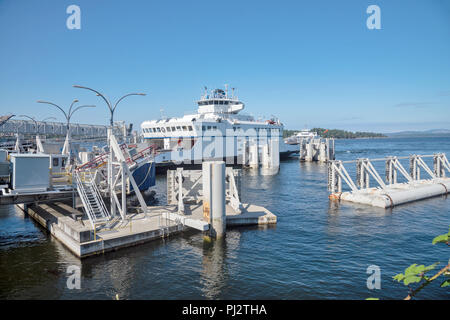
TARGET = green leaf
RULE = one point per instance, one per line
(399, 277)
(411, 279)
(372, 299)
(446, 283)
(430, 267)
(411, 269)
(443, 238)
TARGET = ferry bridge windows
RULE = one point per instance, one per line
(163, 129)
(158, 129)
(173, 128)
(190, 128)
(184, 128)
(168, 129)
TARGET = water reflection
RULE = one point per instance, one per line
(216, 263)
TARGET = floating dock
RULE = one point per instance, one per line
(390, 192)
(73, 229)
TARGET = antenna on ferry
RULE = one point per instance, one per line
(226, 89)
(232, 94)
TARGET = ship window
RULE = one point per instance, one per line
(55, 162)
(63, 163)
(168, 129)
(190, 128)
(203, 128)
(154, 129)
(158, 129)
(184, 128)
(178, 128)
(173, 128)
(220, 102)
(214, 127)
(209, 127)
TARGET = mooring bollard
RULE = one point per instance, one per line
(214, 197)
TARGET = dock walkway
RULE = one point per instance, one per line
(74, 230)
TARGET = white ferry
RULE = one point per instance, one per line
(303, 134)
(217, 131)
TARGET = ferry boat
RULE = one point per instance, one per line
(303, 134)
(217, 131)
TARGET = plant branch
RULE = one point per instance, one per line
(427, 282)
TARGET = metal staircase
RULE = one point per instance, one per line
(92, 201)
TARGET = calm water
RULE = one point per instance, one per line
(318, 249)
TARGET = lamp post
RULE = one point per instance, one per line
(111, 108)
(39, 146)
(68, 115)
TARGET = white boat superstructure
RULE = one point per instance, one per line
(303, 134)
(218, 130)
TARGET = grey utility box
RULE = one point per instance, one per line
(30, 172)
(3, 155)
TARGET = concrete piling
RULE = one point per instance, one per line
(321, 150)
(214, 196)
(254, 155)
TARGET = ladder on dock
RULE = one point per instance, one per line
(91, 198)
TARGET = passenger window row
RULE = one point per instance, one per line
(168, 129)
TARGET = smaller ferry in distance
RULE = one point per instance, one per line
(303, 134)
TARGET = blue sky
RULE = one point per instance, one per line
(311, 63)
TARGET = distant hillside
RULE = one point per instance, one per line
(339, 134)
(426, 133)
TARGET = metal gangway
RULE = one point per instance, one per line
(101, 159)
(91, 198)
(390, 191)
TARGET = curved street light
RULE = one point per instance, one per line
(68, 115)
(39, 145)
(36, 122)
(108, 102)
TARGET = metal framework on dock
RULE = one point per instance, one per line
(365, 169)
(415, 186)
